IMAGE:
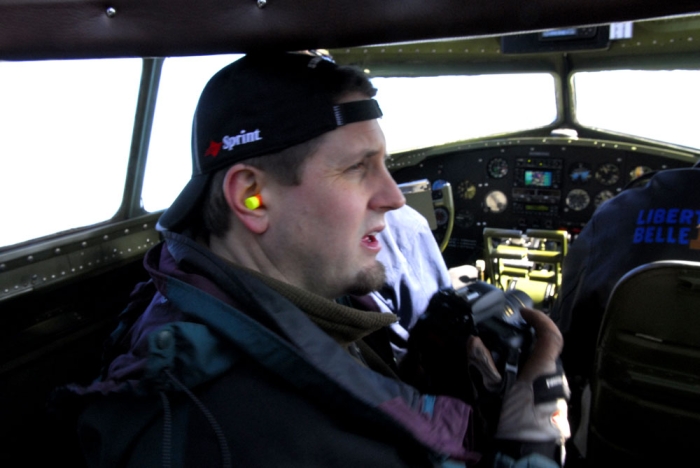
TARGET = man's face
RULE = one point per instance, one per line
(323, 231)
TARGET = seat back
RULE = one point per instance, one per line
(646, 385)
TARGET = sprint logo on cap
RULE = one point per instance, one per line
(241, 139)
(230, 142)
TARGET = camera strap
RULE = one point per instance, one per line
(511, 369)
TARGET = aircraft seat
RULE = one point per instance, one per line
(645, 404)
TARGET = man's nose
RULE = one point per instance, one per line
(389, 196)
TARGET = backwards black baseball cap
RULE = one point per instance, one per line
(259, 105)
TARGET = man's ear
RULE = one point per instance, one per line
(240, 184)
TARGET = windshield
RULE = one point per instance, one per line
(660, 105)
(428, 111)
(418, 112)
(169, 163)
(65, 134)
(67, 126)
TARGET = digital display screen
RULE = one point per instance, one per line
(568, 33)
(536, 208)
(538, 178)
(571, 32)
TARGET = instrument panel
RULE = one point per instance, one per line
(527, 183)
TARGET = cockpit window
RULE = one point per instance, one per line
(660, 105)
(427, 111)
(169, 163)
(65, 135)
(418, 112)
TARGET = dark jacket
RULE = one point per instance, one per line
(658, 221)
(211, 366)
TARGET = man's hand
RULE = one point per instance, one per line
(534, 409)
(548, 346)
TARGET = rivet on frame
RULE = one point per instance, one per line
(111, 12)
(30, 258)
(57, 251)
(262, 3)
(126, 231)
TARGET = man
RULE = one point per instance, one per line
(658, 220)
(235, 352)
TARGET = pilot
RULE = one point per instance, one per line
(235, 351)
(659, 220)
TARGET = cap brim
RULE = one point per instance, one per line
(185, 209)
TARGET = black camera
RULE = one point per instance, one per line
(498, 322)
(437, 361)
(437, 358)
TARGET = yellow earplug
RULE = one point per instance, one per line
(253, 203)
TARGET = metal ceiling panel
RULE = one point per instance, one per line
(46, 29)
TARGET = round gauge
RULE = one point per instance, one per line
(464, 219)
(607, 174)
(495, 202)
(639, 171)
(602, 196)
(441, 216)
(578, 199)
(466, 190)
(497, 168)
(580, 173)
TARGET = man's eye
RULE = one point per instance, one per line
(357, 167)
